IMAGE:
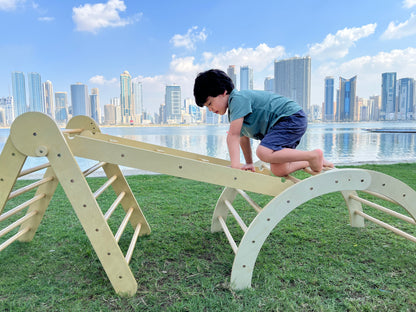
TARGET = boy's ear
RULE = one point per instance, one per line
(225, 93)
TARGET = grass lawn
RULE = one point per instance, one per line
(312, 261)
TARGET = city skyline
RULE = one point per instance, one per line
(93, 41)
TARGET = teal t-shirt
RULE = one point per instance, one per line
(260, 109)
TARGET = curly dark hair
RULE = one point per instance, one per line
(212, 82)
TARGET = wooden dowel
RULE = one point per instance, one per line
(114, 205)
(123, 224)
(72, 130)
(34, 169)
(386, 226)
(228, 234)
(249, 200)
(94, 168)
(17, 223)
(13, 238)
(383, 209)
(236, 216)
(292, 178)
(105, 186)
(29, 187)
(22, 206)
(133, 242)
(381, 197)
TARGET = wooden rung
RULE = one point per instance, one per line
(123, 224)
(105, 186)
(249, 200)
(94, 168)
(383, 209)
(17, 223)
(34, 169)
(381, 197)
(133, 242)
(236, 216)
(114, 205)
(29, 187)
(228, 234)
(386, 226)
(13, 238)
(22, 206)
(72, 130)
(292, 178)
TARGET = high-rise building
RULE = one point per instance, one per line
(126, 103)
(346, 108)
(328, 114)
(61, 107)
(47, 94)
(246, 78)
(19, 93)
(137, 97)
(269, 84)
(95, 105)
(109, 114)
(374, 107)
(80, 100)
(232, 74)
(6, 103)
(406, 99)
(173, 104)
(388, 96)
(292, 79)
(35, 93)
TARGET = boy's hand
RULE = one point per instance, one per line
(248, 167)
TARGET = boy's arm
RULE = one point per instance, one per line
(246, 148)
(233, 142)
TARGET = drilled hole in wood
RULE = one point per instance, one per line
(72, 180)
(180, 167)
(35, 134)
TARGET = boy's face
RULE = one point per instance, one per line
(218, 104)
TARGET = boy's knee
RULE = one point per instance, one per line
(280, 170)
(263, 153)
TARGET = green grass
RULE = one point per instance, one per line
(312, 261)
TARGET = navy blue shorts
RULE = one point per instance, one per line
(287, 132)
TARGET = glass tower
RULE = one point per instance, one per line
(388, 96)
(47, 92)
(19, 93)
(232, 74)
(35, 93)
(292, 79)
(138, 98)
(406, 98)
(173, 103)
(346, 109)
(127, 109)
(61, 102)
(80, 100)
(246, 78)
(329, 99)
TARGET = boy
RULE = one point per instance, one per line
(275, 120)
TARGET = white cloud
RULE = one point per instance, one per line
(93, 17)
(10, 5)
(338, 45)
(100, 80)
(409, 3)
(189, 40)
(401, 30)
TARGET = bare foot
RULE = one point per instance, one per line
(328, 164)
(317, 160)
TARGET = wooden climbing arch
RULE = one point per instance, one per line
(37, 135)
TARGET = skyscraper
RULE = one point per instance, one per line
(292, 79)
(232, 74)
(127, 110)
(173, 103)
(95, 105)
(47, 94)
(61, 111)
(328, 114)
(346, 110)
(35, 93)
(137, 97)
(6, 103)
(19, 93)
(388, 96)
(269, 84)
(246, 78)
(406, 98)
(80, 100)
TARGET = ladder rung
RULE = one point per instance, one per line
(22, 206)
(383, 209)
(93, 168)
(249, 200)
(381, 196)
(114, 205)
(123, 224)
(13, 238)
(105, 186)
(236, 216)
(386, 226)
(29, 187)
(72, 130)
(228, 234)
(33, 169)
(133, 242)
(17, 223)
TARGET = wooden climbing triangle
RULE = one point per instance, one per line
(37, 135)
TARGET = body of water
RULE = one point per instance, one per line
(342, 143)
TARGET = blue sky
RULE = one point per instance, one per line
(167, 42)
